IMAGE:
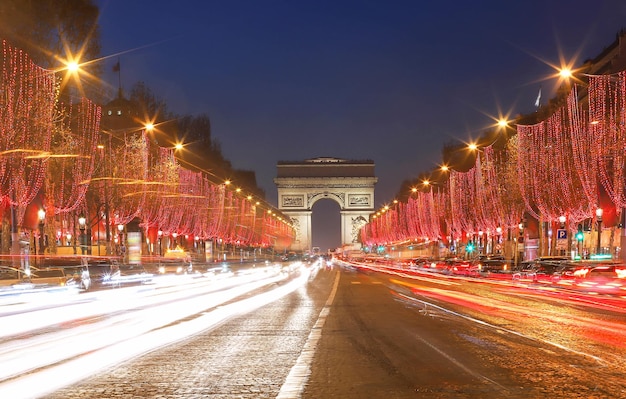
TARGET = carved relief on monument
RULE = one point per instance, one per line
(357, 223)
(359, 200)
(292, 201)
(295, 222)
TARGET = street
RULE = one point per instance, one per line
(353, 332)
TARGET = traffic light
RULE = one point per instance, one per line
(579, 233)
(469, 248)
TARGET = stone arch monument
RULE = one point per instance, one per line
(349, 183)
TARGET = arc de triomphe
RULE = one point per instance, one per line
(349, 183)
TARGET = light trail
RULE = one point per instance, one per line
(109, 327)
(502, 329)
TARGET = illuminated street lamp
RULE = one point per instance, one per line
(599, 213)
(160, 235)
(120, 229)
(81, 227)
(42, 217)
(498, 246)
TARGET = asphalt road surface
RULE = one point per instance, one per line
(358, 333)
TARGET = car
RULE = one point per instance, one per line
(10, 276)
(568, 272)
(52, 276)
(540, 270)
(460, 267)
(495, 264)
(173, 267)
(114, 276)
(606, 279)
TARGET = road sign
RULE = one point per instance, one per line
(561, 234)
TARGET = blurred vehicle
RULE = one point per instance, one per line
(290, 257)
(540, 270)
(178, 254)
(493, 266)
(419, 263)
(114, 276)
(169, 267)
(175, 261)
(461, 267)
(78, 276)
(48, 276)
(551, 259)
(10, 276)
(567, 273)
(608, 279)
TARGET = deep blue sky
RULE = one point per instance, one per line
(386, 80)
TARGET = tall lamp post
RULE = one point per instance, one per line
(599, 213)
(81, 227)
(42, 217)
(160, 237)
(120, 229)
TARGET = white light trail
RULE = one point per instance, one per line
(108, 332)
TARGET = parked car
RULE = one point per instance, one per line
(10, 276)
(540, 270)
(492, 266)
(607, 279)
(53, 276)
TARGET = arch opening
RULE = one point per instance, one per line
(326, 225)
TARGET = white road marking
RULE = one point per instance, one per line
(299, 374)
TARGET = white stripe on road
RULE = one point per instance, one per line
(299, 374)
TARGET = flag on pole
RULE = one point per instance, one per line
(116, 67)
(537, 101)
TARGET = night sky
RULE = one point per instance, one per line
(388, 80)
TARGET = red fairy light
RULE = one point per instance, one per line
(26, 123)
(72, 164)
(607, 113)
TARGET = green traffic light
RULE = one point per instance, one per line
(579, 236)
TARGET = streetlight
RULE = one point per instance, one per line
(499, 239)
(120, 229)
(42, 217)
(81, 227)
(599, 213)
(160, 235)
(106, 202)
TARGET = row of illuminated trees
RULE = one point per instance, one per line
(560, 170)
(59, 172)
